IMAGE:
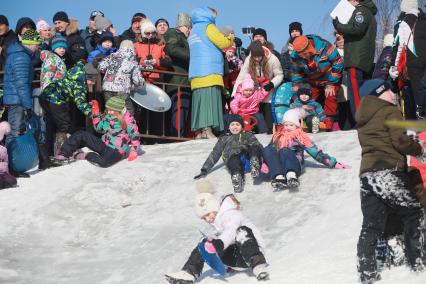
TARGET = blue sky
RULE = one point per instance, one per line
(272, 15)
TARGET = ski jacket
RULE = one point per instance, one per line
(405, 37)
(76, 47)
(312, 107)
(153, 49)
(228, 145)
(6, 40)
(382, 147)
(53, 68)
(247, 105)
(87, 36)
(100, 51)
(114, 135)
(383, 64)
(228, 219)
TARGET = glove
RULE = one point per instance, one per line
(335, 22)
(132, 155)
(393, 72)
(202, 174)
(269, 86)
(341, 166)
(95, 106)
(214, 246)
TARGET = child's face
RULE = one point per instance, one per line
(235, 127)
(60, 51)
(304, 97)
(289, 126)
(210, 217)
(389, 96)
(230, 53)
(248, 92)
(107, 44)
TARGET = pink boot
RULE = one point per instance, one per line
(335, 126)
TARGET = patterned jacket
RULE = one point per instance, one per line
(72, 86)
(114, 135)
(326, 68)
(121, 71)
(52, 70)
(312, 107)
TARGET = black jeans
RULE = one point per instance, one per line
(102, 156)
(243, 254)
(58, 116)
(234, 163)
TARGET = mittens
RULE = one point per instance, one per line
(132, 155)
(269, 86)
(95, 107)
(341, 166)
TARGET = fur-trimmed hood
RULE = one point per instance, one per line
(73, 27)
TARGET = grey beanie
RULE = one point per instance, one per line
(183, 19)
(102, 23)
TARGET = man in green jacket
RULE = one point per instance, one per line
(360, 39)
(177, 49)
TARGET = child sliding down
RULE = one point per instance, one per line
(238, 242)
(284, 155)
(234, 147)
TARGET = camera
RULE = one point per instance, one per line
(248, 30)
(147, 64)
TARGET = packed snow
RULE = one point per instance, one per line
(135, 221)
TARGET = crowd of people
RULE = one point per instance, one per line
(218, 87)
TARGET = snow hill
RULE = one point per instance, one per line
(135, 221)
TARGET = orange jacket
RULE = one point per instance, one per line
(156, 50)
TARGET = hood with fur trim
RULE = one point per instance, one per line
(73, 27)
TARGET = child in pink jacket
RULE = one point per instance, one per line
(246, 102)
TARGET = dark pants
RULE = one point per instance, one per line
(180, 112)
(409, 102)
(345, 115)
(234, 163)
(355, 78)
(58, 116)
(281, 162)
(416, 67)
(375, 212)
(242, 254)
(102, 155)
(266, 109)
(261, 125)
(15, 117)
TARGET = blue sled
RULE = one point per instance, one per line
(212, 259)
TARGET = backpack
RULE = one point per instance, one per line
(281, 100)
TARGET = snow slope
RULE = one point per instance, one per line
(135, 221)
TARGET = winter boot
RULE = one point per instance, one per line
(80, 155)
(43, 154)
(382, 255)
(181, 277)
(279, 183)
(60, 138)
(292, 180)
(255, 167)
(261, 272)
(315, 124)
(60, 160)
(237, 182)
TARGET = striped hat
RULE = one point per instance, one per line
(31, 37)
(116, 103)
(58, 41)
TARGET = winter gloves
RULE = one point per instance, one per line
(341, 166)
(202, 174)
(393, 72)
(95, 107)
(269, 86)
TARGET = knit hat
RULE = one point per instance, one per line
(292, 115)
(116, 103)
(260, 31)
(3, 20)
(58, 40)
(232, 47)
(127, 44)
(295, 26)
(106, 36)
(146, 26)
(226, 30)
(4, 129)
(388, 40)
(205, 201)
(23, 22)
(301, 44)
(256, 49)
(61, 16)
(31, 37)
(234, 118)
(42, 25)
(410, 6)
(161, 20)
(183, 20)
(137, 17)
(303, 91)
(102, 23)
(247, 82)
(374, 87)
(95, 13)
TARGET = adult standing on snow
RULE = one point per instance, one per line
(360, 43)
(206, 72)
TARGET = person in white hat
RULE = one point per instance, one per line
(238, 242)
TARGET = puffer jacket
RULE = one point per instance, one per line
(228, 145)
(154, 49)
(382, 147)
(76, 47)
(18, 76)
(247, 105)
(53, 68)
(114, 135)
(100, 51)
(121, 71)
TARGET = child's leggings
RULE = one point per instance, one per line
(102, 155)
(243, 254)
(234, 163)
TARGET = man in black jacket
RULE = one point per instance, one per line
(134, 32)
(7, 36)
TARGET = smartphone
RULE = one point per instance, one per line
(248, 30)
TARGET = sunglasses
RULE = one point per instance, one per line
(150, 33)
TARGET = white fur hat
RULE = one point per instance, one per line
(410, 6)
(388, 40)
(293, 115)
(205, 201)
(146, 26)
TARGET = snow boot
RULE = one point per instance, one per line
(181, 277)
(60, 160)
(261, 272)
(60, 138)
(254, 167)
(237, 182)
(292, 180)
(315, 124)
(279, 183)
